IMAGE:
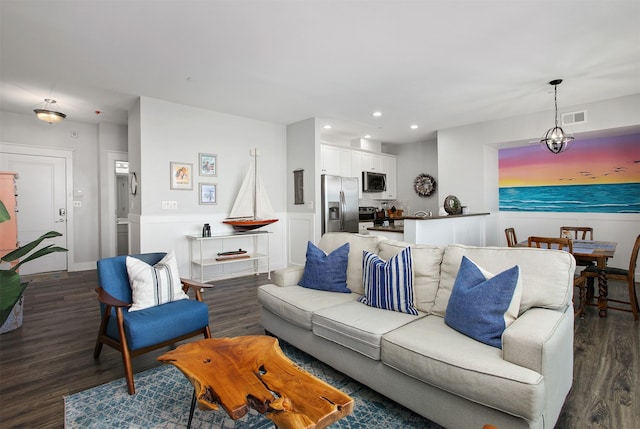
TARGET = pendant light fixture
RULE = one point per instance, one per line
(48, 115)
(555, 138)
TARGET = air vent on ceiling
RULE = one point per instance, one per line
(574, 118)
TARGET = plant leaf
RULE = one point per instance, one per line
(40, 252)
(11, 289)
(21, 251)
(4, 214)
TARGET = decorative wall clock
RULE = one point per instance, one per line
(424, 185)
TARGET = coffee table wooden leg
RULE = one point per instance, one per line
(192, 409)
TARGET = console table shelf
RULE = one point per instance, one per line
(203, 252)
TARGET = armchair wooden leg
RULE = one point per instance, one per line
(101, 332)
(126, 356)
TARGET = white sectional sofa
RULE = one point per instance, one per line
(421, 362)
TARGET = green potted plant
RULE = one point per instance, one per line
(11, 286)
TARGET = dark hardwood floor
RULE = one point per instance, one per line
(51, 355)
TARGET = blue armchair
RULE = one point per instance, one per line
(137, 332)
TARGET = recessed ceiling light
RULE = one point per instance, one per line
(327, 127)
(367, 136)
(414, 127)
(376, 114)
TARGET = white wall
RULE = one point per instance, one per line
(414, 159)
(468, 168)
(174, 132)
(112, 139)
(27, 130)
(303, 222)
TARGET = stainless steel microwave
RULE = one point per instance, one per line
(374, 182)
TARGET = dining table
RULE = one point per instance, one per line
(599, 252)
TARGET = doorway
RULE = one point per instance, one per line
(111, 199)
(121, 171)
(42, 188)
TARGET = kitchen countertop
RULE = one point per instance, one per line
(443, 217)
(390, 228)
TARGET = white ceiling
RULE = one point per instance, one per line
(437, 64)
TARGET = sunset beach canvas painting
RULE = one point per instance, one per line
(600, 175)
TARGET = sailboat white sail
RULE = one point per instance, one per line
(252, 208)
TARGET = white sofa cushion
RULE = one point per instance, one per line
(547, 275)
(357, 243)
(434, 353)
(426, 269)
(296, 304)
(357, 326)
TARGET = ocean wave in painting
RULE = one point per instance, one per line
(604, 198)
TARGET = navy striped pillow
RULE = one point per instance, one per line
(389, 285)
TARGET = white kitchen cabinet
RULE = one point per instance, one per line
(335, 160)
(371, 162)
(356, 169)
(389, 167)
(362, 227)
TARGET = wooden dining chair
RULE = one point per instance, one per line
(624, 275)
(577, 232)
(566, 244)
(511, 237)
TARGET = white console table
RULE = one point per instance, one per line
(203, 252)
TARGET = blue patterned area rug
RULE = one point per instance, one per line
(163, 396)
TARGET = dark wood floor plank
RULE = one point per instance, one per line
(51, 355)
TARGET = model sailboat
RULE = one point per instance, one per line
(252, 208)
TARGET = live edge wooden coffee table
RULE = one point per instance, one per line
(252, 371)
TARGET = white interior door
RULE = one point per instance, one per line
(42, 205)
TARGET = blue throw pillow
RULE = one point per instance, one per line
(326, 272)
(388, 285)
(481, 305)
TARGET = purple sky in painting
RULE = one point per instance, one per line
(590, 161)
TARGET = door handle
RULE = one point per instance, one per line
(342, 207)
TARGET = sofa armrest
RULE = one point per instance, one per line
(542, 340)
(289, 276)
(539, 338)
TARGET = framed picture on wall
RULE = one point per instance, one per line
(207, 193)
(181, 175)
(208, 164)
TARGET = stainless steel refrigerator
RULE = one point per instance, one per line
(339, 203)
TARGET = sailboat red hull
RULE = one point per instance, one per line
(248, 224)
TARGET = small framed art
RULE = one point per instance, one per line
(181, 175)
(298, 186)
(208, 193)
(208, 164)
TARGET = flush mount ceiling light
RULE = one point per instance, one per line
(414, 127)
(555, 138)
(376, 114)
(48, 115)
